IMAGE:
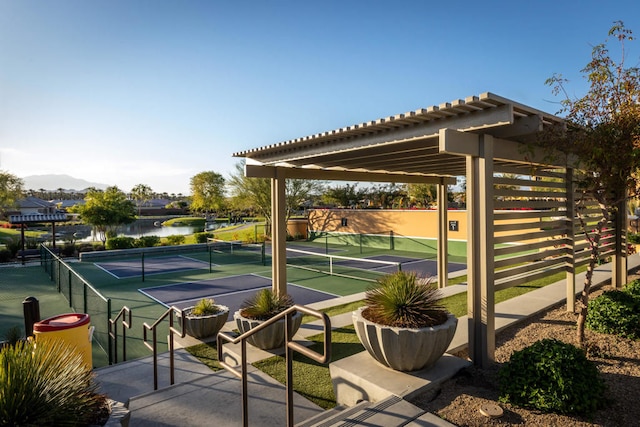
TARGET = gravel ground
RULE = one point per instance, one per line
(618, 359)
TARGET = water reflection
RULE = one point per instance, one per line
(142, 228)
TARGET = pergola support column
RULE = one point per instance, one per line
(619, 262)
(480, 254)
(442, 251)
(278, 233)
(570, 227)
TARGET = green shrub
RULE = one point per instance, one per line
(552, 376)
(615, 312)
(85, 247)
(69, 249)
(265, 304)
(633, 288)
(122, 242)
(175, 239)
(147, 241)
(31, 244)
(47, 384)
(402, 299)
(13, 245)
(633, 238)
(5, 255)
(201, 237)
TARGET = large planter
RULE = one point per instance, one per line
(404, 349)
(272, 336)
(205, 326)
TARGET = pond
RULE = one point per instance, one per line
(147, 227)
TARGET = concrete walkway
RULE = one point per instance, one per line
(187, 403)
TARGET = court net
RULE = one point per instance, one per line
(336, 265)
(240, 250)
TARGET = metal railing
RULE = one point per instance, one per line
(154, 344)
(125, 314)
(80, 295)
(290, 346)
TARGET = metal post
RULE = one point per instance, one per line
(84, 297)
(289, 363)
(31, 309)
(245, 382)
(143, 266)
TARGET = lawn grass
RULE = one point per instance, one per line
(12, 233)
(186, 221)
(311, 379)
(207, 353)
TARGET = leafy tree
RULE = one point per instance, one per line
(141, 193)
(10, 190)
(422, 194)
(207, 190)
(344, 196)
(255, 193)
(105, 210)
(602, 132)
(388, 196)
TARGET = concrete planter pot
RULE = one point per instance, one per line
(205, 326)
(404, 349)
(270, 337)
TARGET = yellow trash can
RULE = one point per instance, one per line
(72, 328)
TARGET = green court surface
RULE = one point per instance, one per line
(18, 283)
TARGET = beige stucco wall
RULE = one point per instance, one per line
(416, 223)
(410, 222)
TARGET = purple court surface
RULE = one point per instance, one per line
(231, 291)
(152, 265)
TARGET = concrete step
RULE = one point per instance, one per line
(390, 412)
(331, 416)
(132, 378)
(216, 399)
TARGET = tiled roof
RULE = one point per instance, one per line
(22, 219)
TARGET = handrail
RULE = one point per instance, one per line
(113, 333)
(290, 347)
(154, 345)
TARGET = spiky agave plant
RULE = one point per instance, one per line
(265, 304)
(402, 299)
(205, 307)
(47, 383)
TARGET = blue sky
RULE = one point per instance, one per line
(153, 92)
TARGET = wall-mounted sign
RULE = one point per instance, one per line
(453, 225)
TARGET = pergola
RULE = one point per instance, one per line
(520, 208)
(36, 219)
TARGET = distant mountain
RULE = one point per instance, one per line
(53, 182)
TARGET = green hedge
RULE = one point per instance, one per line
(616, 312)
(552, 376)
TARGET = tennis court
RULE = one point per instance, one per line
(181, 275)
(139, 266)
(231, 291)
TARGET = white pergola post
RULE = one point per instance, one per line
(480, 254)
(442, 251)
(278, 233)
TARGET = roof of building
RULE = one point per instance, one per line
(23, 219)
(34, 202)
